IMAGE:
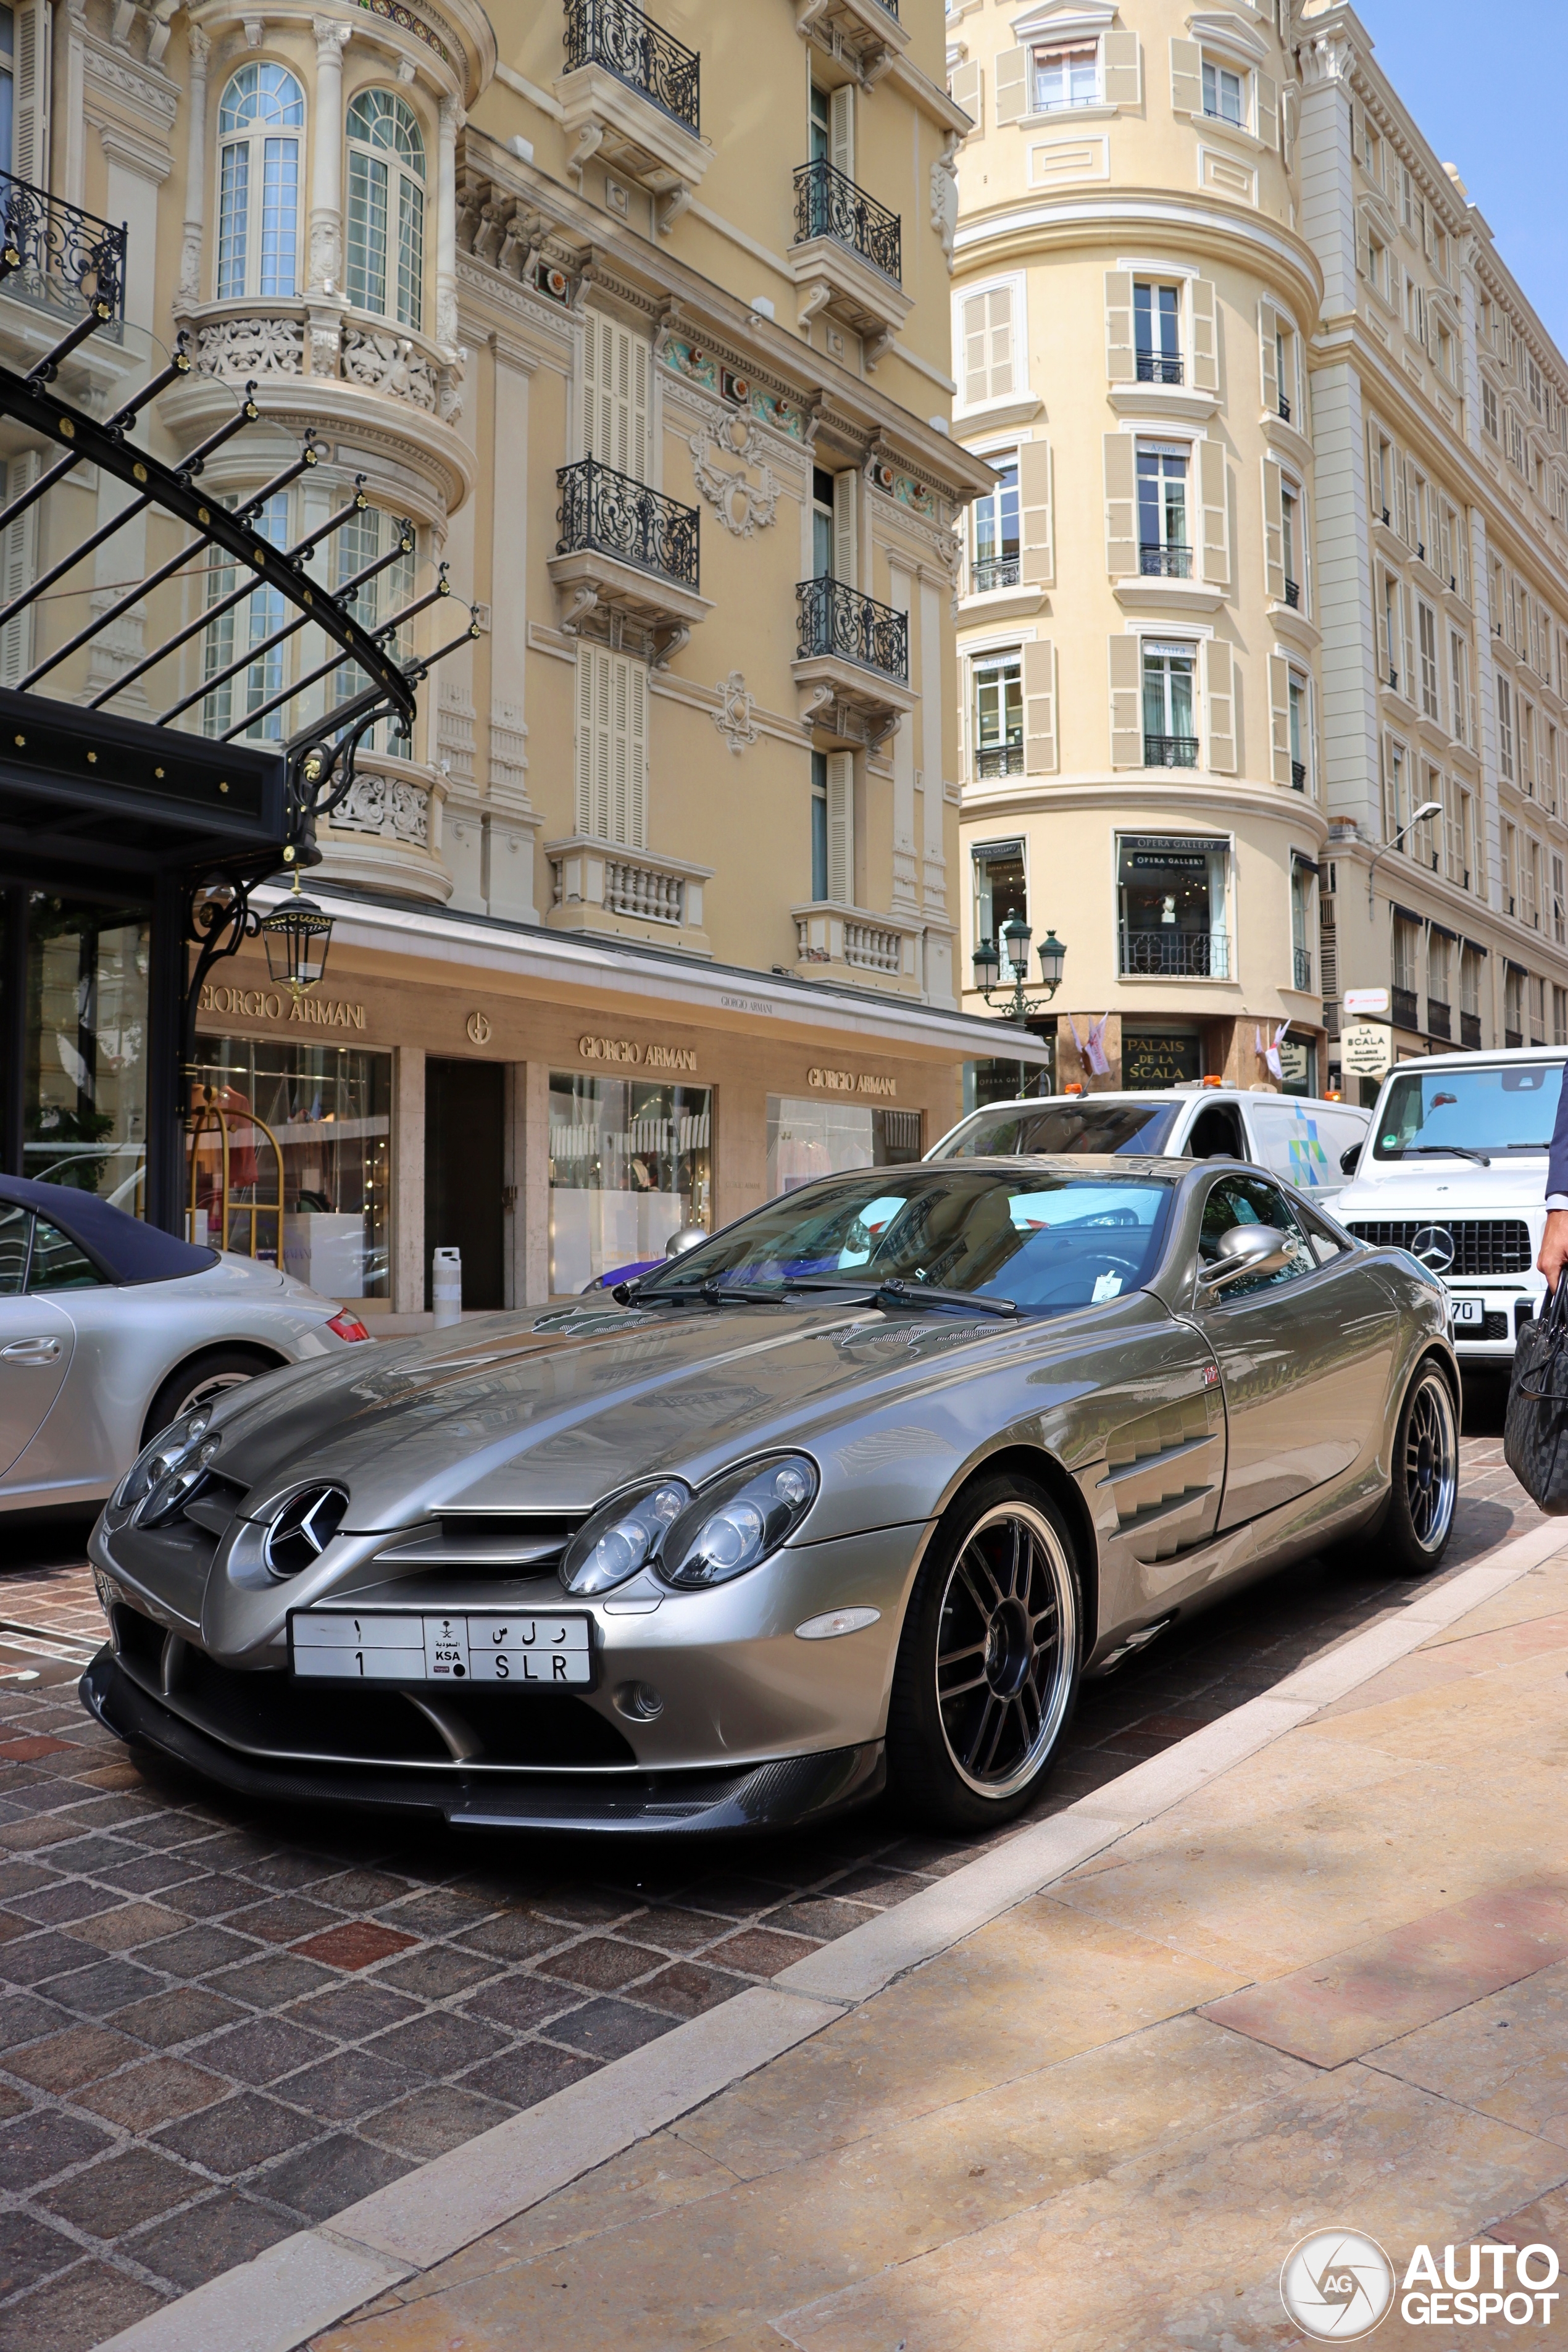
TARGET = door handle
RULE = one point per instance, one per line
(30, 1351)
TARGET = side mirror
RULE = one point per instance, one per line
(1349, 1158)
(1246, 1250)
(685, 1237)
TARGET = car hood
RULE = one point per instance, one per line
(1448, 1187)
(553, 1411)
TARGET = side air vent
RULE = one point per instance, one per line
(487, 1543)
(303, 1528)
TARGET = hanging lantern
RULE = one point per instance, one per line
(298, 936)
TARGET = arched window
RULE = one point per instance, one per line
(263, 108)
(386, 208)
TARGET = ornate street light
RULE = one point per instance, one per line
(1012, 968)
(297, 935)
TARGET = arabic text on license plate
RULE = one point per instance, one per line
(1469, 1314)
(538, 1652)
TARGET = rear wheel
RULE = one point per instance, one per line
(1425, 1488)
(201, 1380)
(988, 1663)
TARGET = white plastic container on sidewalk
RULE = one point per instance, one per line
(447, 1286)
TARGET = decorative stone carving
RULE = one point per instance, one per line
(944, 197)
(733, 717)
(387, 806)
(388, 363)
(247, 347)
(742, 507)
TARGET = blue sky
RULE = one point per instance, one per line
(1502, 128)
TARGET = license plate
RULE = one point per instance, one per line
(1467, 1314)
(404, 1646)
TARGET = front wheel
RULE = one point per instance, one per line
(1424, 1489)
(988, 1670)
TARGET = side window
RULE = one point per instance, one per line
(1215, 1135)
(57, 1264)
(1324, 1242)
(1248, 1200)
(16, 1224)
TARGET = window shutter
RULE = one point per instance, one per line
(1411, 509)
(966, 87)
(1288, 124)
(1273, 533)
(1205, 336)
(1279, 716)
(846, 554)
(616, 368)
(1037, 568)
(593, 776)
(1380, 614)
(1126, 702)
(1186, 78)
(1212, 500)
(1040, 708)
(29, 157)
(1219, 695)
(1012, 85)
(1396, 466)
(18, 566)
(841, 827)
(1267, 321)
(1120, 505)
(1121, 362)
(987, 332)
(1123, 69)
(1268, 110)
(841, 130)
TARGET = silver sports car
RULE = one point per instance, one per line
(853, 1493)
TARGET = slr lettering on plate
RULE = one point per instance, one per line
(406, 1647)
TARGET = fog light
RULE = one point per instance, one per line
(639, 1702)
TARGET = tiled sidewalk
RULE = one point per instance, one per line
(216, 2028)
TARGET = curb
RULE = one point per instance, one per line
(309, 2282)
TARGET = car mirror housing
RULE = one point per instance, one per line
(1349, 1158)
(1246, 1250)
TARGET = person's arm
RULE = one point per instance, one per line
(1554, 1242)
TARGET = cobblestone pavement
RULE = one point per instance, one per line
(214, 2027)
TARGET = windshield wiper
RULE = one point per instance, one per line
(930, 1294)
(1444, 1152)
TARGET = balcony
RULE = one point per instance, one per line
(58, 258)
(1513, 1037)
(629, 96)
(1293, 595)
(851, 943)
(993, 571)
(625, 546)
(846, 256)
(1173, 955)
(1439, 1022)
(999, 759)
(852, 661)
(600, 886)
(1301, 969)
(1470, 1031)
(1154, 368)
(869, 34)
(1284, 410)
(1169, 563)
(315, 363)
(1298, 775)
(1170, 750)
(1405, 1013)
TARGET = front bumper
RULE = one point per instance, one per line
(776, 1794)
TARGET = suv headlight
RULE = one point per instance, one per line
(174, 1449)
(736, 1523)
(623, 1537)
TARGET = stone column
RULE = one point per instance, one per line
(409, 1181)
(326, 159)
(529, 1147)
(190, 289)
(452, 120)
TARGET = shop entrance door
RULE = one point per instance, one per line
(464, 1171)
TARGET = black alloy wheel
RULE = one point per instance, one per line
(1425, 1486)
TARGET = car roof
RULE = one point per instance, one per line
(1493, 1057)
(123, 1248)
(1154, 1095)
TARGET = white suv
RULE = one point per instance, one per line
(1454, 1172)
(1296, 1137)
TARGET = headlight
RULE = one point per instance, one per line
(736, 1523)
(170, 1451)
(623, 1537)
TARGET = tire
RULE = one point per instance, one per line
(1414, 1531)
(202, 1378)
(988, 1663)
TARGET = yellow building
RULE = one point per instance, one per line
(1261, 543)
(641, 328)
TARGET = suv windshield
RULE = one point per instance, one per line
(1507, 1109)
(1096, 1128)
(1044, 1241)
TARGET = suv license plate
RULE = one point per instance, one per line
(1467, 1314)
(382, 1645)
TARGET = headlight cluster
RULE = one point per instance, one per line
(162, 1475)
(691, 1541)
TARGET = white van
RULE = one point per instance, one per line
(1454, 1171)
(1296, 1137)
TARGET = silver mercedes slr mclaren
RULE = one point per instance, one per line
(852, 1495)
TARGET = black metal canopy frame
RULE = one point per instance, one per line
(230, 814)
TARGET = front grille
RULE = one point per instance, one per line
(503, 1544)
(1481, 1244)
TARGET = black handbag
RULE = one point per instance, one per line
(1535, 1430)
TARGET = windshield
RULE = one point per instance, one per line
(1501, 1109)
(1046, 1242)
(1098, 1128)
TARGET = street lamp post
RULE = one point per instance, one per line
(1014, 963)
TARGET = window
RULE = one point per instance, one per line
(386, 208)
(1488, 409)
(262, 111)
(1369, 151)
(1376, 264)
(1510, 840)
(995, 528)
(1560, 1016)
(985, 335)
(237, 694)
(1453, 834)
(809, 1138)
(1299, 711)
(818, 827)
(1446, 352)
(1505, 728)
(1382, 476)
(1164, 547)
(1512, 1006)
(1173, 906)
(1157, 333)
(823, 496)
(1537, 1012)
(1391, 629)
(1470, 989)
(1406, 960)
(1440, 981)
(1303, 879)
(1285, 369)
(1549, 770)
(1224, 94)
(1170, 737)
(1250, 1201)
(1559, 901)
(82, 1091)
(1459, 683)
(1424, 837)
(612, 747)
(999, 717)
(1000, 891)
(629, 1165)
(820, 130)
(367, 538)
(1066, 77)
(1426, 632)
(1530, 879)
(1467, 844)
(1397, 806)
(1524, 713)
(1290, 540)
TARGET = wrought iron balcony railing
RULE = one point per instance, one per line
(1513, 1037)
(1301, 960)
(1157, 562)
(1170, 750)
(618, 37)
(1470, 1031)
(827, 203)
(1298, 775)
(1293, 595)
(1407, 1012)
(603, 509)
(1174, 955)
(999, 759)
(1284, 410)
(837, 619)
(1154, 368)
(1439, 1022)
(989, 572)
(55, 255)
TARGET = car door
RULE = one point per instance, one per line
(36, 1342)
(1304, 1355)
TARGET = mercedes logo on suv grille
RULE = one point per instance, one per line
(303, 1528)
(1434, 1246)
